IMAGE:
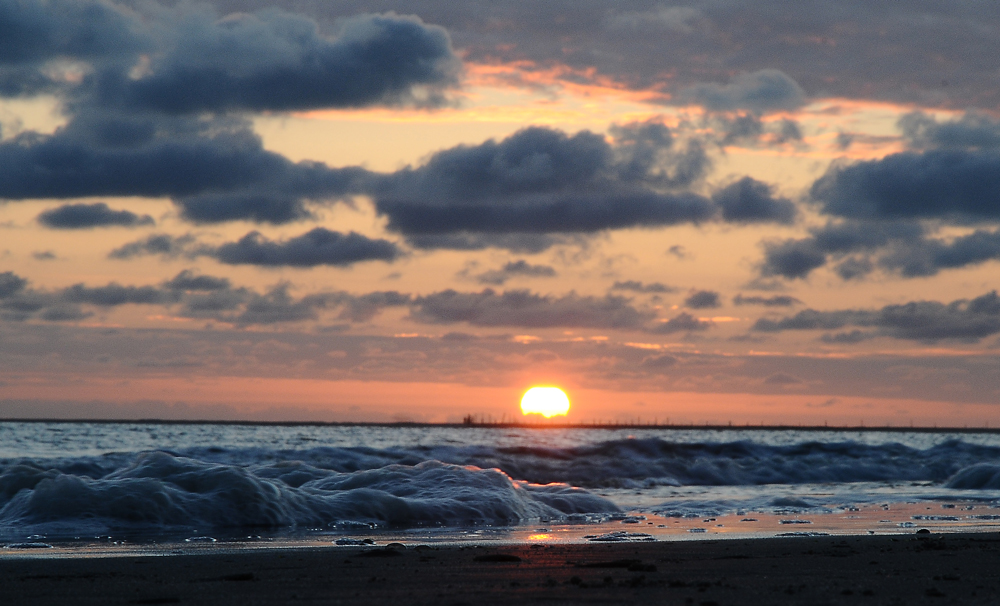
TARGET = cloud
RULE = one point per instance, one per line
(187, 59)
(273, 60)
(857, 248)
(749, 200)
(973, 130)
(156, 100)
(775, 301)
(114, 294)
(214, 171)
(82, 216)
(928, 256)
(639, 287)
(11, 284)
(38, 33)
(963, 319)
(762, 91)
(702, 299)
(951, 184)
(319, 246)
(515, 268)
(522, 308)
(187, 280)
(796, 258)
(540, 181)
(156, 244)
(682, 322)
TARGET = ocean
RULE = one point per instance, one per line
(62, 483)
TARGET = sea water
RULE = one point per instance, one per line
(78, 481)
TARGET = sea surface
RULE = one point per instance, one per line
(209, 482)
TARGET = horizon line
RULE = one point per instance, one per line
(522, 425)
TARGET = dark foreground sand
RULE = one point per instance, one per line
(910, 569)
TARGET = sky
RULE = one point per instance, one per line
(347, 210)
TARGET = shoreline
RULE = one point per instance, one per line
(883, 569)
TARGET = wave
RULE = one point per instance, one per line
(436, 485)
(160, 490)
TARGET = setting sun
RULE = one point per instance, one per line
(545, 401)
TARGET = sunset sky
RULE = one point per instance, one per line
(708, 211)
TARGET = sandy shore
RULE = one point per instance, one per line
(904, 569)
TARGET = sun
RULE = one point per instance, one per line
(545, 401)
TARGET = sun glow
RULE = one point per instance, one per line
(545, 401)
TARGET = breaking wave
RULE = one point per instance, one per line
(433, 485)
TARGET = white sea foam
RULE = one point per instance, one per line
(448, 478)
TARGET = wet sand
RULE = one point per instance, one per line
(901, 569)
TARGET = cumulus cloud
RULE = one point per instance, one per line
(954, 184)
(188, 280)
(82, 216)
(762, 91)
(962, 319)
(538, 180)
(682, 322)
(273, 60)
(522, 308)
(513, 269)
(749, 200)
(702, 299)
(796, 258)
(973, 130)
(156, 99)
(114, 294)
(187, 59)
(855, 249)
(156, 244)
(319, 246)
(10, 284)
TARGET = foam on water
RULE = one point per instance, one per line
(72, 481)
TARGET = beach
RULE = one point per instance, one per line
(885, 569)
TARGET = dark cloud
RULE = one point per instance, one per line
(186, 59)
(115, 294)
(928, 256)
(513, 269)
(760, 91)
(36, 33)
(156, 244)
(971, 131)
(273, 60)
(702, 299)
(44, 255)
(775, 301)
(11, 284)
(797, 258)
(522, 308)
(682, 322)
(319, 246)
(749, 200)
(857, 248)
(154, 96)
(81, 216)
(190, 281)
(215, 171)
(636, 286)
(963, 319)
(537, 181)
(277, 306)
(956, 184)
